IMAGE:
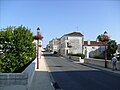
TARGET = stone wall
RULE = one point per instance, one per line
(18, 81)
(101, 62)
(75, 58)
(98, 62)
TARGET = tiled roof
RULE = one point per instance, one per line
(93, 43)
(74, 34)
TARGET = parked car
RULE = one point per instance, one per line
(55, 52)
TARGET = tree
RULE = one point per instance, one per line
(112, 47)
(104, 38)
(16, 48)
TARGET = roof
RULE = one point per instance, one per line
(93, 43)
(74, 34)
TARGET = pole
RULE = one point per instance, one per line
(105, 56)
(38, 54)
(40, 50)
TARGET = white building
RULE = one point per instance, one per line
(71, 43)
(48, 48)
(118, 49)
(40, 47)
(54, 45)
(93, 48)
(40, 43)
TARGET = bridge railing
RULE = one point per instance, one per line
(18, 81)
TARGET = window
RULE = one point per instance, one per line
(66, 51)
(67, 38)
(67, 44)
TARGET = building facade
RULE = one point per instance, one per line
(71, 43)
(93, 48)
(118, 49)
(53, 45)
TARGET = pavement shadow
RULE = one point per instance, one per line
(41, 81)
(102, 69)
(86, 80)
(50, 55)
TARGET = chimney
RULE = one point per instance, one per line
(97, 40)
(88, 42)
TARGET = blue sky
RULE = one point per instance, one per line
(58, 17)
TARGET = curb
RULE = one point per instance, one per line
(54, 84)
(117, 73)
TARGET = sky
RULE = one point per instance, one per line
(58, 17)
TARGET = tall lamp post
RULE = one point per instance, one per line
(105, 38)
(38, 37)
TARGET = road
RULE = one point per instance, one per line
(73, 76)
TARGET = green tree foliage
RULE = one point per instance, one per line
(112, 47)
(16, 48)
(103, 37)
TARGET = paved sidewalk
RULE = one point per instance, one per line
(41, 79)
(99, 67)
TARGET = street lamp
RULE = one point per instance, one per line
(105, 38)
(38, 37)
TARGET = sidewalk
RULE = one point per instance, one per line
(41, 79)
(99, 67)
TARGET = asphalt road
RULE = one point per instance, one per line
(72, 76)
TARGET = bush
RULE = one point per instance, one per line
(16, 49)
(78, 55)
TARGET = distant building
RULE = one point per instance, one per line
(71, 43)
(40, 44)
(93, 48)
(48, 48)
(118, 49)
(54, 45)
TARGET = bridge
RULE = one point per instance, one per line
(60, 73)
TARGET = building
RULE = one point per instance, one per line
(40, 46)
(118, 49)
(71, 43)
(48, 47)
(53, 45)
(93, 48)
